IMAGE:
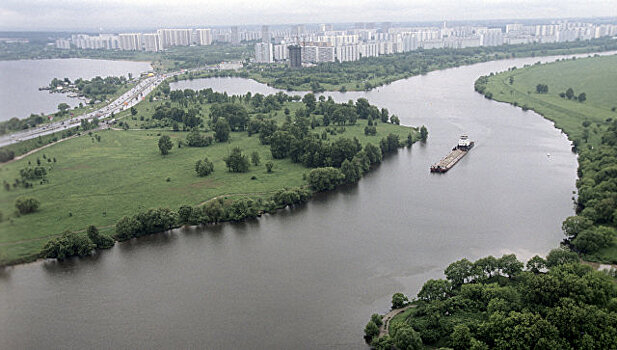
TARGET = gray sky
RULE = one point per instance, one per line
(118, 14)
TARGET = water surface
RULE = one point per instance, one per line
(20, 82)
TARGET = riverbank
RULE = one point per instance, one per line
(107, 174)
(578, 96)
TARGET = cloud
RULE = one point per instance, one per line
(111, 14)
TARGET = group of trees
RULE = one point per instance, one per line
(569, 94)
(493, 303)
(96, 88)
(73, 244)
(542, 89)
(593, 228)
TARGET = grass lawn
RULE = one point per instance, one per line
(595, 76)
(97, 182)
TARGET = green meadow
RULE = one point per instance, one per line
(101, 176)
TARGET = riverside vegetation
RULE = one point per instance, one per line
(579, 96)
(189, 157)
(552, 303)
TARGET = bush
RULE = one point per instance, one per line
(324, 179)
(204, 167)
(269, 166)
(6, 155)
(26, 205)
(237, 162)
(291, 196)
(67, 245)
(99, 240)
(196, 139)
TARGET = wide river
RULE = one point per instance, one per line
(310, 277)
(20, 82)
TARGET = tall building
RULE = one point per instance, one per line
(204, 36)
(130, 41)
(235, 36)
(151, 42)
(281, 52)
(63, 44)
(263, 53)
(295, 56)
(265, 34)
(174, 37)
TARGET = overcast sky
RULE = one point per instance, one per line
(120, 14)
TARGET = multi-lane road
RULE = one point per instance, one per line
(127, 100)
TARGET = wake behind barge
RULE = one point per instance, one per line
(458, 152)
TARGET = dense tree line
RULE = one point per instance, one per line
(499, 303)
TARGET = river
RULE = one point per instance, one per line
(310, 277)
(21, 80)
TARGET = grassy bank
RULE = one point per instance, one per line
(590, 122)
(98, 178)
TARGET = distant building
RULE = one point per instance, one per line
(281, 52)
(130, 41)
(265, 34)
(235, 36)
(151, 42)
(263, 53)
(63, 44)
(295, 56)
(204, 36)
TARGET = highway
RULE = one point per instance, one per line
(127, 100)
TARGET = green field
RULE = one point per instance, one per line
(591, 125)
(97, 182)
(595, 76)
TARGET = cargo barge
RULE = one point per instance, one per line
(458, 152)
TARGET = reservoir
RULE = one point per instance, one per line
(21, 80)
(311, 276)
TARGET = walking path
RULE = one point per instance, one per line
(385, 326)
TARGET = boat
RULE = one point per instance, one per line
(458, 152)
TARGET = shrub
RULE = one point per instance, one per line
(26, 205)
(204, 167)
(67, 245)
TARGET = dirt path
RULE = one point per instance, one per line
(385, 327)
(37, 149)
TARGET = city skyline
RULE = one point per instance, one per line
(116, 15)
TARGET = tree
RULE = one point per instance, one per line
(351, 171)
(591, 240)
(458, 272)
(405, 338)
(310, 101)
(280, 143)
(26, 205)
(185, 214)
(461, 337)
(255, 159)
(377, 319)
(237, 162)
(509, 265)
(582, 97)
(269, 166)
(222, 130)
(126, 228)
(574, 225)
(63, 107)
(133, 111)
(370, 331)
(100, 241)
(558, 257)
(395, 120)
(399, 300)
(204, 167)
(484, 267)
(435, 290)
(423, 133)
(536, 264)
(165, 144)
(569, 93)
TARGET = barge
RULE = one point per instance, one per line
(458, 152)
